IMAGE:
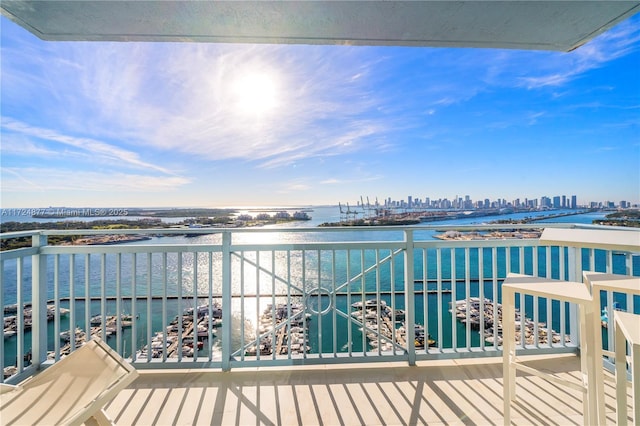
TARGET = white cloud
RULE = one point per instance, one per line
(564, 67)
(15, 179)
(95, 148)
(181, 98)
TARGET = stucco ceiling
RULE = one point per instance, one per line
(546, 25)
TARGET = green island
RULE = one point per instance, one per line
(628, 218)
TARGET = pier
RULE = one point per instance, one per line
(286, 323)
(379, 324)
(488, 314)
(10, 323)
(185, 334)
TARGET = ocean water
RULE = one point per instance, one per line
(301, 270)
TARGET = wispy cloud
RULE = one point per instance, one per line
(55, 179)
(564, 67)
(96, 149)
(188, 105)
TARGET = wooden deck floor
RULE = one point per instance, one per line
(441, 392)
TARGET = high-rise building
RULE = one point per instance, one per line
(556, 202)
(574, 203)
(545, 201)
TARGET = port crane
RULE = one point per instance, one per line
(346, 215)
(368, 210)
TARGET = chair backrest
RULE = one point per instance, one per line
(70, 391)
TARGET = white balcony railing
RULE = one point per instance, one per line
(283, 297)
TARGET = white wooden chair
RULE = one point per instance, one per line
(72, 391)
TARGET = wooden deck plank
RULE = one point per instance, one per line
(442, 392)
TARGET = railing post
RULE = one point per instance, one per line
(409, 301)
(39, 302)
(574, 272)
(226, 301)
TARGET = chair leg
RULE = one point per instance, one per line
(102, 419)
(621, 375)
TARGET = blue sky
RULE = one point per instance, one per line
(186, 124)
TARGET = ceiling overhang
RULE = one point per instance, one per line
(541, 25)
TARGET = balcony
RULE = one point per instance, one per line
(308, 321)
(459, 391)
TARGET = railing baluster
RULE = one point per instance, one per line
(195, 315)
(149, 307)
(467, 292)
(2, 285)
(481, 295)
(454, 299)
(134, 325)
(56, 297)
(39, 302)
(334, 300)
(289, 295)
(521, 265)
(72, 303)
(549, 270)
(243, 318)
(119, 302)
(87, 298)
(439, 296)
(425, 299)
(536, 316)
(20, 315)
(180, 308)
(319, 288)
(379, 297)
(274, 337)
(494, 278)
(349, 320)
(227, 305)
(363, 297)
(257, 301)
(210, 301)
(103, 298)
(164, 321)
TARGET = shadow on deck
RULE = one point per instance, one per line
(437, 392)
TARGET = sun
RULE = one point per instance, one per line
(255, 93)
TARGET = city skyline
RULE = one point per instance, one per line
(468, 202)
(207, 125)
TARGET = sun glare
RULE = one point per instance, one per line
(255, 93)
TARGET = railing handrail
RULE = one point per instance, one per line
(270, 229)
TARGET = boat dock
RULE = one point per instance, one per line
(477, 313)
(287, 324)
(185, 334)
(11, 322)
(379, 324)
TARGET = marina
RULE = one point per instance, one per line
(379, 322)
(486, 315)
(283, 329)
(11, 322)
(185, 334)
